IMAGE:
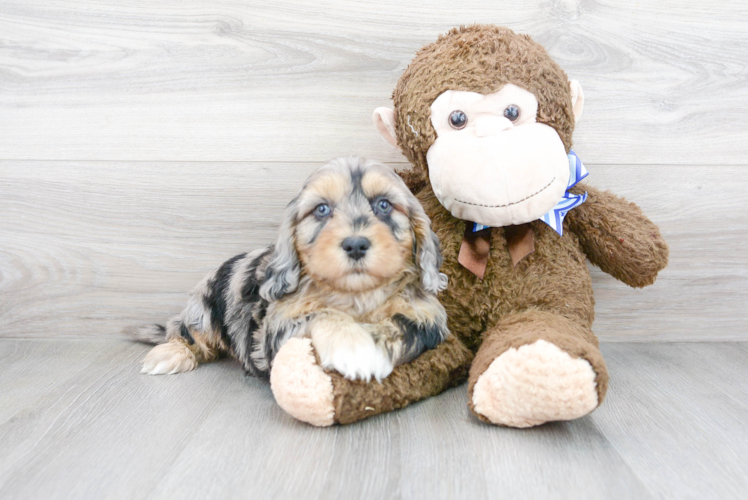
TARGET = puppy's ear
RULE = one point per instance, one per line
(427, 254)
(282, 274)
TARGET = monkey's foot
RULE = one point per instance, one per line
(300, 385)
(533, 384)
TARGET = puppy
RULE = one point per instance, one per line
(355, 268)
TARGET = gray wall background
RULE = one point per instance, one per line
(144, 142)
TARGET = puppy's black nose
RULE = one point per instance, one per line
(356, 246)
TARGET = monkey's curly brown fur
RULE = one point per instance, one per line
(548, 295)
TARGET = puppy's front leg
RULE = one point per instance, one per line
(417, 325)
(346, 346)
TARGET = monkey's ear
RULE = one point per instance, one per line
(384, 120)
(577, 99)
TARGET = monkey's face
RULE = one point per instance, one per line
(353, 231)
(491, 162)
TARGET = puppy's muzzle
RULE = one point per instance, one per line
(356, 247)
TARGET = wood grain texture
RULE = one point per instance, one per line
(87, 425)
(90, 247)
(297, 81)
(667, 401)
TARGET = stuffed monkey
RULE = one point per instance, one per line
(486, 117)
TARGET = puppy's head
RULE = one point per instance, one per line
(354, 226)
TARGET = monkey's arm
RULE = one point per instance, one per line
(431, 373)
(617, 237)
(415, 339)
(324, 397)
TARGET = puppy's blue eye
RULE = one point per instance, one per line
(383, 207)
(322, 210)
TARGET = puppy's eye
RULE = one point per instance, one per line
(322, 210)
(512, 113)
(383, 207)
(458, 119)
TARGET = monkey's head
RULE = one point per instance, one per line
(487, 117)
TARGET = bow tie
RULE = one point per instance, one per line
(520, 240)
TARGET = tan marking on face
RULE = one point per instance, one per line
(375, 183)
(331, 186)
(325, 259)
(378, 183)
(387, 257)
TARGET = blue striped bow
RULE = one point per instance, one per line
(555, 216)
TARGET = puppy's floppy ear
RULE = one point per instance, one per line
(282, 274)
(427, 253)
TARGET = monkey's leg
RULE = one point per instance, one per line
(319, 397)
(535, 367)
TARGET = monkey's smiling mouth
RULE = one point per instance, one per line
(508, 204)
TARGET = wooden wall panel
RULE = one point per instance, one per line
(296, 81)
(143, 142)
(90, 247)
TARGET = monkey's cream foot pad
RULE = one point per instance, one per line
(534, 384)
(300, 385)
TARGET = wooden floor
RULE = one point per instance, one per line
(77, 420)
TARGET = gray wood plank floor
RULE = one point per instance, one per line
(78, 421)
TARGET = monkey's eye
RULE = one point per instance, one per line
(458, 119)
(322, 210)
(383, 207)
(511, 112)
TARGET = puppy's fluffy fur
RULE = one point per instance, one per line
(355, 268)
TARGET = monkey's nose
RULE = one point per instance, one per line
(491, 124)
(356, 246)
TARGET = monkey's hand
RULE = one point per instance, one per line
(617, 237)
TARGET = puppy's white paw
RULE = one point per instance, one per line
(169, 358)
(344, 345)
(358, 360)
(350, 350)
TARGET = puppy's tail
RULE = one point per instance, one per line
(147, 334)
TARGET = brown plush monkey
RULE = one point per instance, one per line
(486, 117)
